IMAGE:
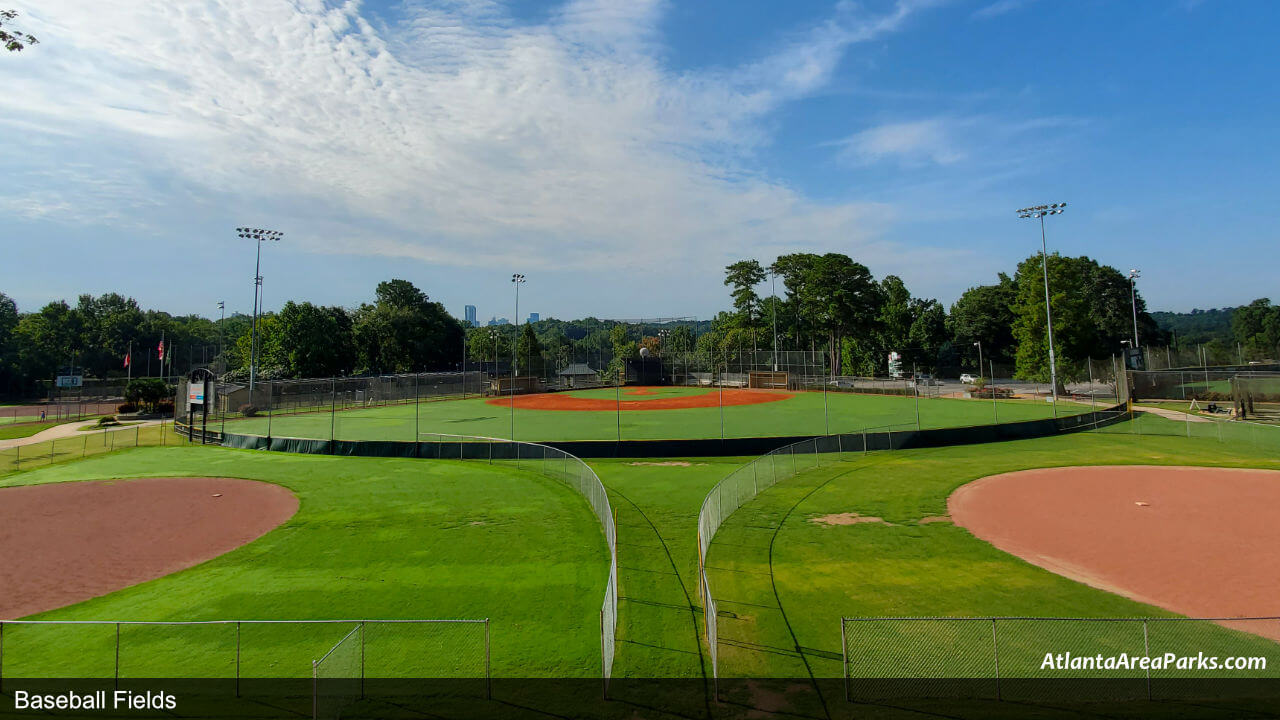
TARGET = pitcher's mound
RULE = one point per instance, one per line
(67, 542)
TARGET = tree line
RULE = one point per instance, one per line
(827, 303)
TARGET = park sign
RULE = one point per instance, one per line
(70, 381)
(195, 392)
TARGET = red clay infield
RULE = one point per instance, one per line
(67, 542)
(563, 401)
(1197, 541)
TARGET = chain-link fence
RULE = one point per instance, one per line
(748, 481)
(237, 649)
(56, 411)
(1084, 659)
(29, 456)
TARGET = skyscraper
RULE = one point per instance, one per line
(470, 316)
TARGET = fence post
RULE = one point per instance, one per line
(84, 447)
(1146, 649)
(362, 634)
(995, 653)
(237, 658)
(52, 444)
(315, 690)
(844, 661)
(117, 656)
(488, 675)
(1, 656)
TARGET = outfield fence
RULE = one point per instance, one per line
(1086, 659)
(242, 649)
(748, 481)
(48, 452)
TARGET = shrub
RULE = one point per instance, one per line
(248, 410)
(127, 408)
(107, 420)
(165, 408)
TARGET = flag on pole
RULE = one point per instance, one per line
(160, 350)
(126, 358)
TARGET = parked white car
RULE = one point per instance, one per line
(967, 378)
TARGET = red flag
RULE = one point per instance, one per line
(160, 350)
(126, 359)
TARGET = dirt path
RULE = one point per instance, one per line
(1197, 541)
(68, 542)
(66, 430)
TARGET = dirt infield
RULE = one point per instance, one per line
(67, 542)
(561, 401)
(1197, 541)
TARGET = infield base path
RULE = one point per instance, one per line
(1198, 541)
(67, 542)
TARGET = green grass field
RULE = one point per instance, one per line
(783, 582)
(11, 432)
(391, 538)
(373, 539)
(808, 413)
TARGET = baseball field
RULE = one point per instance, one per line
(639, 413)
(858, 536)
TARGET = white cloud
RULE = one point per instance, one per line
(1000, 7)
(922, 139)
(983, 140)
(566, 142)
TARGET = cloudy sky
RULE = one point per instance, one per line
(620, 152)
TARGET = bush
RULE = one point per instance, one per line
(127, 408)
(165, 408)
(248, 410)
(107, 420)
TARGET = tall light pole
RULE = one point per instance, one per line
(259, 235)
(1133, 298)
(773, 305)
(516, 279)
(979, 346)
(222, 307)
(1038, 212)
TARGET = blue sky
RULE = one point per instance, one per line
(619, 154)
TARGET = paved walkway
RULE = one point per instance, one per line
(68, 430)
(1171, 414)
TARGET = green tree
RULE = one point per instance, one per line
(148, 392)
(317, 341)
(9, 376)
(985, 314)
(14, 40)
(273, 361)
(680, 340)
(837, 296)
(404, 331)
(743, 276)
(529, 351)
(1257, 327)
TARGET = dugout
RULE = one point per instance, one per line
(515, 385)
(768, 380)
(644, 371)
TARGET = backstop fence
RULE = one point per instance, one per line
(748, 481)
(243, 649)
(1046, 659)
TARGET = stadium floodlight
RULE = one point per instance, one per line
(1038, 212)
(517, 280)
(260, 236)
(979, 346)
(1133, 298)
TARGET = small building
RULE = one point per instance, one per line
(579, 375)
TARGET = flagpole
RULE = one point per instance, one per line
(128, 361)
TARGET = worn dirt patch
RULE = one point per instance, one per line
(933, 519)
(67, 542)
(561, 401)
(849, 518)
(665, 463)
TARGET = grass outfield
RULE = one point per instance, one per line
(783, 582)
(373, 538)
(800, 415)
(12, 432)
